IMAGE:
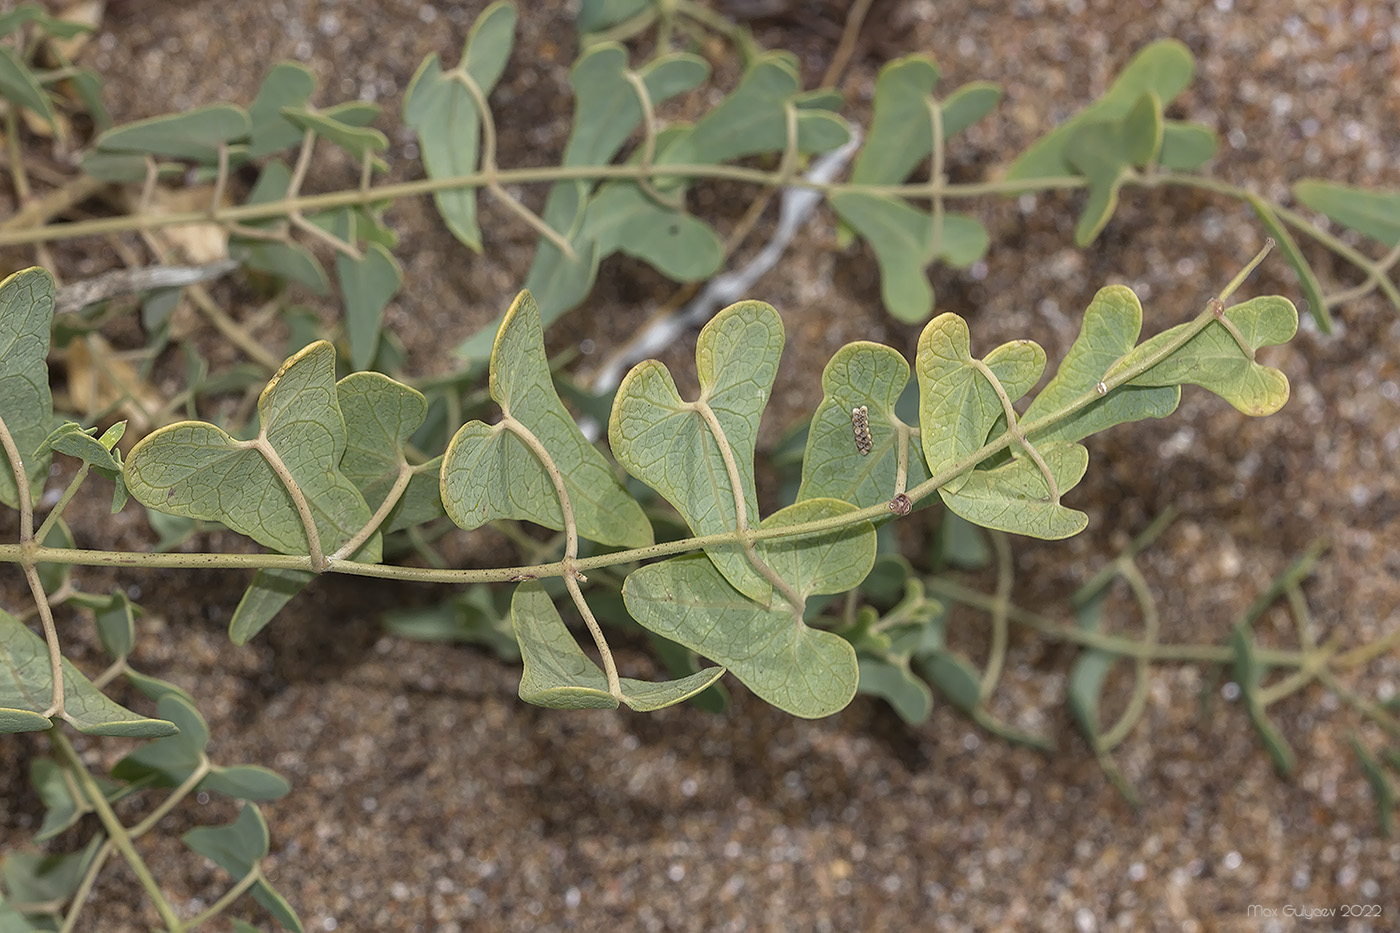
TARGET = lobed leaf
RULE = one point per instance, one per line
(1112, 324)
(1213, 360)
(958, 407)
(875, 376)
(26, 691)
(621, 217)
(1104, 152)
(557, 674)
(490, 473)
(1374, 214)
(905, 240)
(26, 405)
(447, 118)
(196, 470)
(803, 671)
(288, 84)
(237, 848)
(1163, 68)
(1014, 496)
(667, 443)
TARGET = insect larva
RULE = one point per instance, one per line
(860, 424)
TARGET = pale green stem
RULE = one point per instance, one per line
(308, 522)
(741, 509)
(224, 902)
(491, 174)
(571, 575)
(1014, 428)
(391, 499)
(1137, 702)
(52, 518)
(173, 800)
(285, 207)
(116, 833)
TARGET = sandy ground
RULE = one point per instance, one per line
(427, 797)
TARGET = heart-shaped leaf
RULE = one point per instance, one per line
(1213, 360)
(237, 848)
(874, 376)
(26, 313)
(958, 407)
(559, 675)
(26, 691)
(1163, 68)
(491, 472)
(445, 114)
(805, 671)
(1112, 324)
(1104, 152)
(1015, 497)
(671, 444)
(195, 470)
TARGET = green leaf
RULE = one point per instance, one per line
(30, 878)
(676, 243)
(359, 141)
(963, 544)
(753, 120)
(26, 690)
(1112, 324)
(559, 675)
(1371, 213)
(381, 416)
(872, 375)
(489, 472)
(170, 760)
(958, 406)
(898, 686)
(69, 438)
(472, 617)
(194, 135)
(116, 626)
(955, 677)
(61, 809)
(237, 848)
(196, 470)
(967, 105)
(901, 130)
(1163, 68)
(18, 84)
(1014, 497)
(804, 671)
(52, 576)
(596, 15)
(26, 312)
(1214, 361)
(1186, 146)
(245, 782)
(670, 444)
(288, 84)
(1307, 280)
(905, 241)
(606, 105)
(444, 114)
(366, 284)
(269, 592)
(1249, 672)
(1104, 152)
